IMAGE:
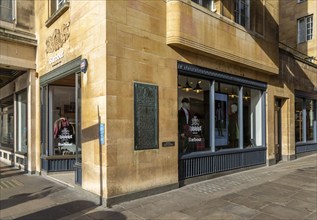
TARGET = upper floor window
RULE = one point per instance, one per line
(242, 12)
(209, 4)
(7, 10)
(56, 5)
(305, 28)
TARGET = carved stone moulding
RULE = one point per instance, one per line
(55, 41)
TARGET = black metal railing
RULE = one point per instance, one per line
(208, 163)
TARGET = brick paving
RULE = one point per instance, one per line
(287, 190)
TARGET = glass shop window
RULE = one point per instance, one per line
(22, 122)
(62, 139)
(227, 129)
(193, 114)
(299, 119)
(310, 120)
(252, 117)
(7, 124)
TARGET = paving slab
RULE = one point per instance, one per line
(263, 216)
(284, 212)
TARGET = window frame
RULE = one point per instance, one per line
(238, 13)
(17, 103)
(58, 12)
(303, 35)
(13, 13)
(304, 118)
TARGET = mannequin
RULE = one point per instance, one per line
(184, 119)
(219, 119)
(233, 126)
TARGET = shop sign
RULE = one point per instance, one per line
(102, 133)
(55, 58)
(65, 138)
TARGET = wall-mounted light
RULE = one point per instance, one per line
(84, 65)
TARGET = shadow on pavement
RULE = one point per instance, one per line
(25, 197)
(65, 210)
(12, 173)
(111, 215)
(3, 167)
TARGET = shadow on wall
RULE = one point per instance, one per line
(80, 209)
(292, 75)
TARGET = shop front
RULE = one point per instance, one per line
(221, 121)
(16, 107)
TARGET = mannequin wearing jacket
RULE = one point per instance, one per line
(184, 119)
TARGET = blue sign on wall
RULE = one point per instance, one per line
(102, 133)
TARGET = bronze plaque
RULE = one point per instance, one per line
(145, 116)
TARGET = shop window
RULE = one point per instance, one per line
(305, 29)
(193, 114)
(299, 119)
(7, 124)
(7, 10)
(22, 122)
(62, 131)
(310, 120)
(227, 130)
(252, 117)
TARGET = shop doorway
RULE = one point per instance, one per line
(278, 129)
(61, 128)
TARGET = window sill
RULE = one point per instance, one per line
(57, 14)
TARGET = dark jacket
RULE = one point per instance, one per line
(182, 120)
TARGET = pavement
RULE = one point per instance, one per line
(287, 190)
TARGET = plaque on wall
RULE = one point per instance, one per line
(145, 116)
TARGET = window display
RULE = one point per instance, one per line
(62, 120)
(198, 131)
(226, 116)
(193, 115)
(22, 122)
(252, 117)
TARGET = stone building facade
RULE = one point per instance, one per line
(140, 97)
(18, 87)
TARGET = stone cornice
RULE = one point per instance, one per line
(18, 36)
